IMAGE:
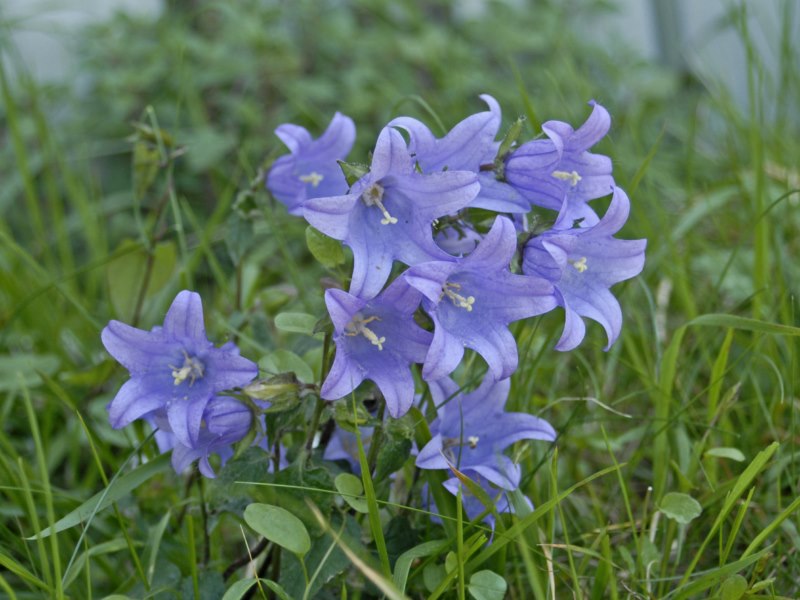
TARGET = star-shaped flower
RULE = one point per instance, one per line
(387, 214)
(472, 430)
(311, 169)
(468, 146)
(550, 172)
(376, 339)
(472, 300)
(173, 368)
(583, 263)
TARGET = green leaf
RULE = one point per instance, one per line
(285, 361)
(403, 564)
(353, 171)
(117, 489)
(114, 545)
(352, 490)
(240, 588)
(295, 322)
(450, 562)
(510, 139)
(22, 370)
(680, 507)
(392, 454)
(326, 250)
(487, 585)
(126, 274)
(733, 587)
(724, 452)
(745, 324)
(279, 526)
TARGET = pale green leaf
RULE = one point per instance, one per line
(352, 490)
(724, 452)
(279, 526)
(487, 585)
(680, 507)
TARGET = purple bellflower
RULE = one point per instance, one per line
(174, 369)
(472, 430)
(473, 507)
(468, 146)
(472, 300)
(343, 445)
(583, 263)
(376, 339)
(311, 169)
(226, 422)
(387, 214)
(550, 172)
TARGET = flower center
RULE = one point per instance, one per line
(571, 176)
(192, 370)
(313, 178)
(373, 196)
(358, 326)
(580, 264)
(451, 291)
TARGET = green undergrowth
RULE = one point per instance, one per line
(675, 473)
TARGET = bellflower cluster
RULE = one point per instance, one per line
(177, 377)
(430, 282)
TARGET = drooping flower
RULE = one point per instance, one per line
(387, 214)
(227, 421)
(173, 368)
(343, 445)
(376, 339)
(560, 172)
(311, 169)
(472, 430)
(583, 263)
(473, 299)
(468, 146)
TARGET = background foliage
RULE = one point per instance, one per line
(103, 219)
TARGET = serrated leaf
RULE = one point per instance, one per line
(725, 452)
(279, 526)
(680, 507)
(487, 585)
(296, 322)
(352, 490)
(326, 250)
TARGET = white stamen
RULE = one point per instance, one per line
(313, 178)
(571, 176)
(473, 441)
(580, 264)
(373, 196)
(192, 370)
(456, 298)
(358, 326)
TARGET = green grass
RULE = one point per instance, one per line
(698, 397)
